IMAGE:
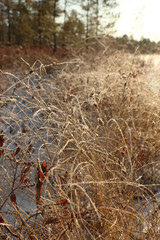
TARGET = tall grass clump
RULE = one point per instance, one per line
(80, 152)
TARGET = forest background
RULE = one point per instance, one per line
(69, 24)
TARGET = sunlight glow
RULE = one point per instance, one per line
(139, 18)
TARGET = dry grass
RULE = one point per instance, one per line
(80, 152)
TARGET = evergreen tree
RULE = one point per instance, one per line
(64, 21)
(37, 22)
(73, 30)
(87, 7)
(8, 7)
(44, 18)
(22, 24)
(108, 13)
(3, 26)
(95, 11)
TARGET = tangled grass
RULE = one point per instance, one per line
(80, 152)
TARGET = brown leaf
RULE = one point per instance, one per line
(61, 180)
(2, 153)
(62, 201)
(17, 151)
(1, 140)
(23, 127)
(1, 219)
(38, 192)
(40, 175)
(44, 168)
(51, 220)
(27, 182)
(13, 198)
(23, 174)
(1, 145)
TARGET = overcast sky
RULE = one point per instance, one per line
(139, 18)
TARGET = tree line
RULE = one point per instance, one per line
(52, 22)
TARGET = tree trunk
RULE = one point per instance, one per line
(9, 24)
(2, 27)
(87, 23)
(39, 24)
(54, 18)
(65, 15)
(97, 16)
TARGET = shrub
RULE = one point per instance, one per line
(80, 152)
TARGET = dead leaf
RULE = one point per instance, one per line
(62, 201)
(13, 198)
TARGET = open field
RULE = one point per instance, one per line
(80, 149)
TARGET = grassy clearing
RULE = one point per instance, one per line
(80, 152)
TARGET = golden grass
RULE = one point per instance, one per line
(85, 152)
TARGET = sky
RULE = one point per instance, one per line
(139, 18)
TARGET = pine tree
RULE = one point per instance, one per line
(95, 11)
(110, 18)
(8, 7)
(87, 6)
(73, 30)
(3, 25)
(22, 24)
(44, 18)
